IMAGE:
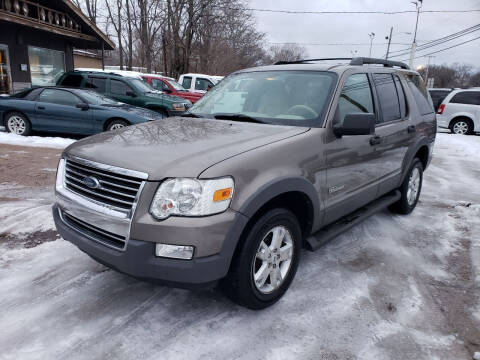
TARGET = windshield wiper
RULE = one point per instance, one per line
(238, 117)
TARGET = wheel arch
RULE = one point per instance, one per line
(422, 151)
(463, 116)
(107, 122)
(9, 111)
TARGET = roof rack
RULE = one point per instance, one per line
(357, 61)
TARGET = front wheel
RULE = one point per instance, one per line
(410, 189)
(117, 124)
(264, 267)
(18, 123)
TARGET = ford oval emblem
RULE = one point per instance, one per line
(91, 182)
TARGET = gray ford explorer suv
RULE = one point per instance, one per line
(271, 160)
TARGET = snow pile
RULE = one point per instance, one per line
(35, 141)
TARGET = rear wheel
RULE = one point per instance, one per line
(117, 124)
(18, 123)
(264, 267)
(410, 189)
(461, 127)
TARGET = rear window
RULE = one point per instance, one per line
(466, 97)
(420, 94)
(72, 80)
(388, 97)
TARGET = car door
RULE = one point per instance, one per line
(395, 129)
(56, 110)
(351, 180)
(121, 91)
(202, 84)
(97, 83)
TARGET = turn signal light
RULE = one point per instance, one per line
(440, 109)
(222, 194)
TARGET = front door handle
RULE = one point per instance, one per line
(411, 129)
(375, 140)
(41, 108)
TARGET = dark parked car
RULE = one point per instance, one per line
(438, 95)
(233, 190)
(127, 87)
(64, 110)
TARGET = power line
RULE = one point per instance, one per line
(447, 48)
(357, 12)
(439, 41)
(332, 44)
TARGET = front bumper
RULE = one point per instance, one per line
(139, 260)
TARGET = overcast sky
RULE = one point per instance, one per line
(354, 28)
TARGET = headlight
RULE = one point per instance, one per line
(192, 197)
(60, 174)
(178, 106)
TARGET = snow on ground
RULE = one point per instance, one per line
(35, 141)
(393, 287)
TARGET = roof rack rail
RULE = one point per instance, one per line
(358, 61)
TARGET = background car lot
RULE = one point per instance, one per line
(388, 289)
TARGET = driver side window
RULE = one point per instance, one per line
(356, 97)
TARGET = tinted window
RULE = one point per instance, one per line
(159, 85)
(118, 87)
(401, 96)
(466, 97)
(187, 82)
(356, 97)
(202, 84)
(72, 80)
(420, 94)
(60, 97)
(97, 84)
(387, 96)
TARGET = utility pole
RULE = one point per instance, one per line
(418, 5)
(372, 35)
(428, 65)
(389, 42)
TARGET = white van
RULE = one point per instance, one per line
(198, 82)
(460, 111)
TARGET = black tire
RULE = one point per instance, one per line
(404, 206)
(18, 123)
(461, 126)
(117, 124)
(239, 284)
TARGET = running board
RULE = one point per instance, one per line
(331, 231)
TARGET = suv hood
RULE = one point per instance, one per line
(177, 147)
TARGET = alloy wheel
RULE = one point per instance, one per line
(16, 125)
(117, 126)
(460, 127)
(273, 259)
(413, 186)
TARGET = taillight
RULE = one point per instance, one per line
(440, 109)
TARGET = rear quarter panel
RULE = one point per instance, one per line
(26, 107)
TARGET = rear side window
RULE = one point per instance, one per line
(59, 97)
(118, 87)
(97, 84)
(466, 97)
(420, 94)
(401, 97)
(356, 97)
(387, 96)
(72, 80)
(202, 84)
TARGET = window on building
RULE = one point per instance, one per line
(202, 84)
(118, 87)
(97, 84)
(59, 97)
(466, 97)
(46, 66)
(5, 79)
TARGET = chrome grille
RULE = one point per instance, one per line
(112, 189)
(94, 233)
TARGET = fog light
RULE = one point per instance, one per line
(174, 251)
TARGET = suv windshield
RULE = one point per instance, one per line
(176, 85)
(274, 97)
(141, 86)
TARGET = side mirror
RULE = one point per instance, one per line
(131, 93)
(83, 106)
(356, 124)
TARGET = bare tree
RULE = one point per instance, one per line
(116, 21)
(90, 7)
(287, 52)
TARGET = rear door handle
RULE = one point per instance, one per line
(411, 129)
(41, 108)
(375, 140)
